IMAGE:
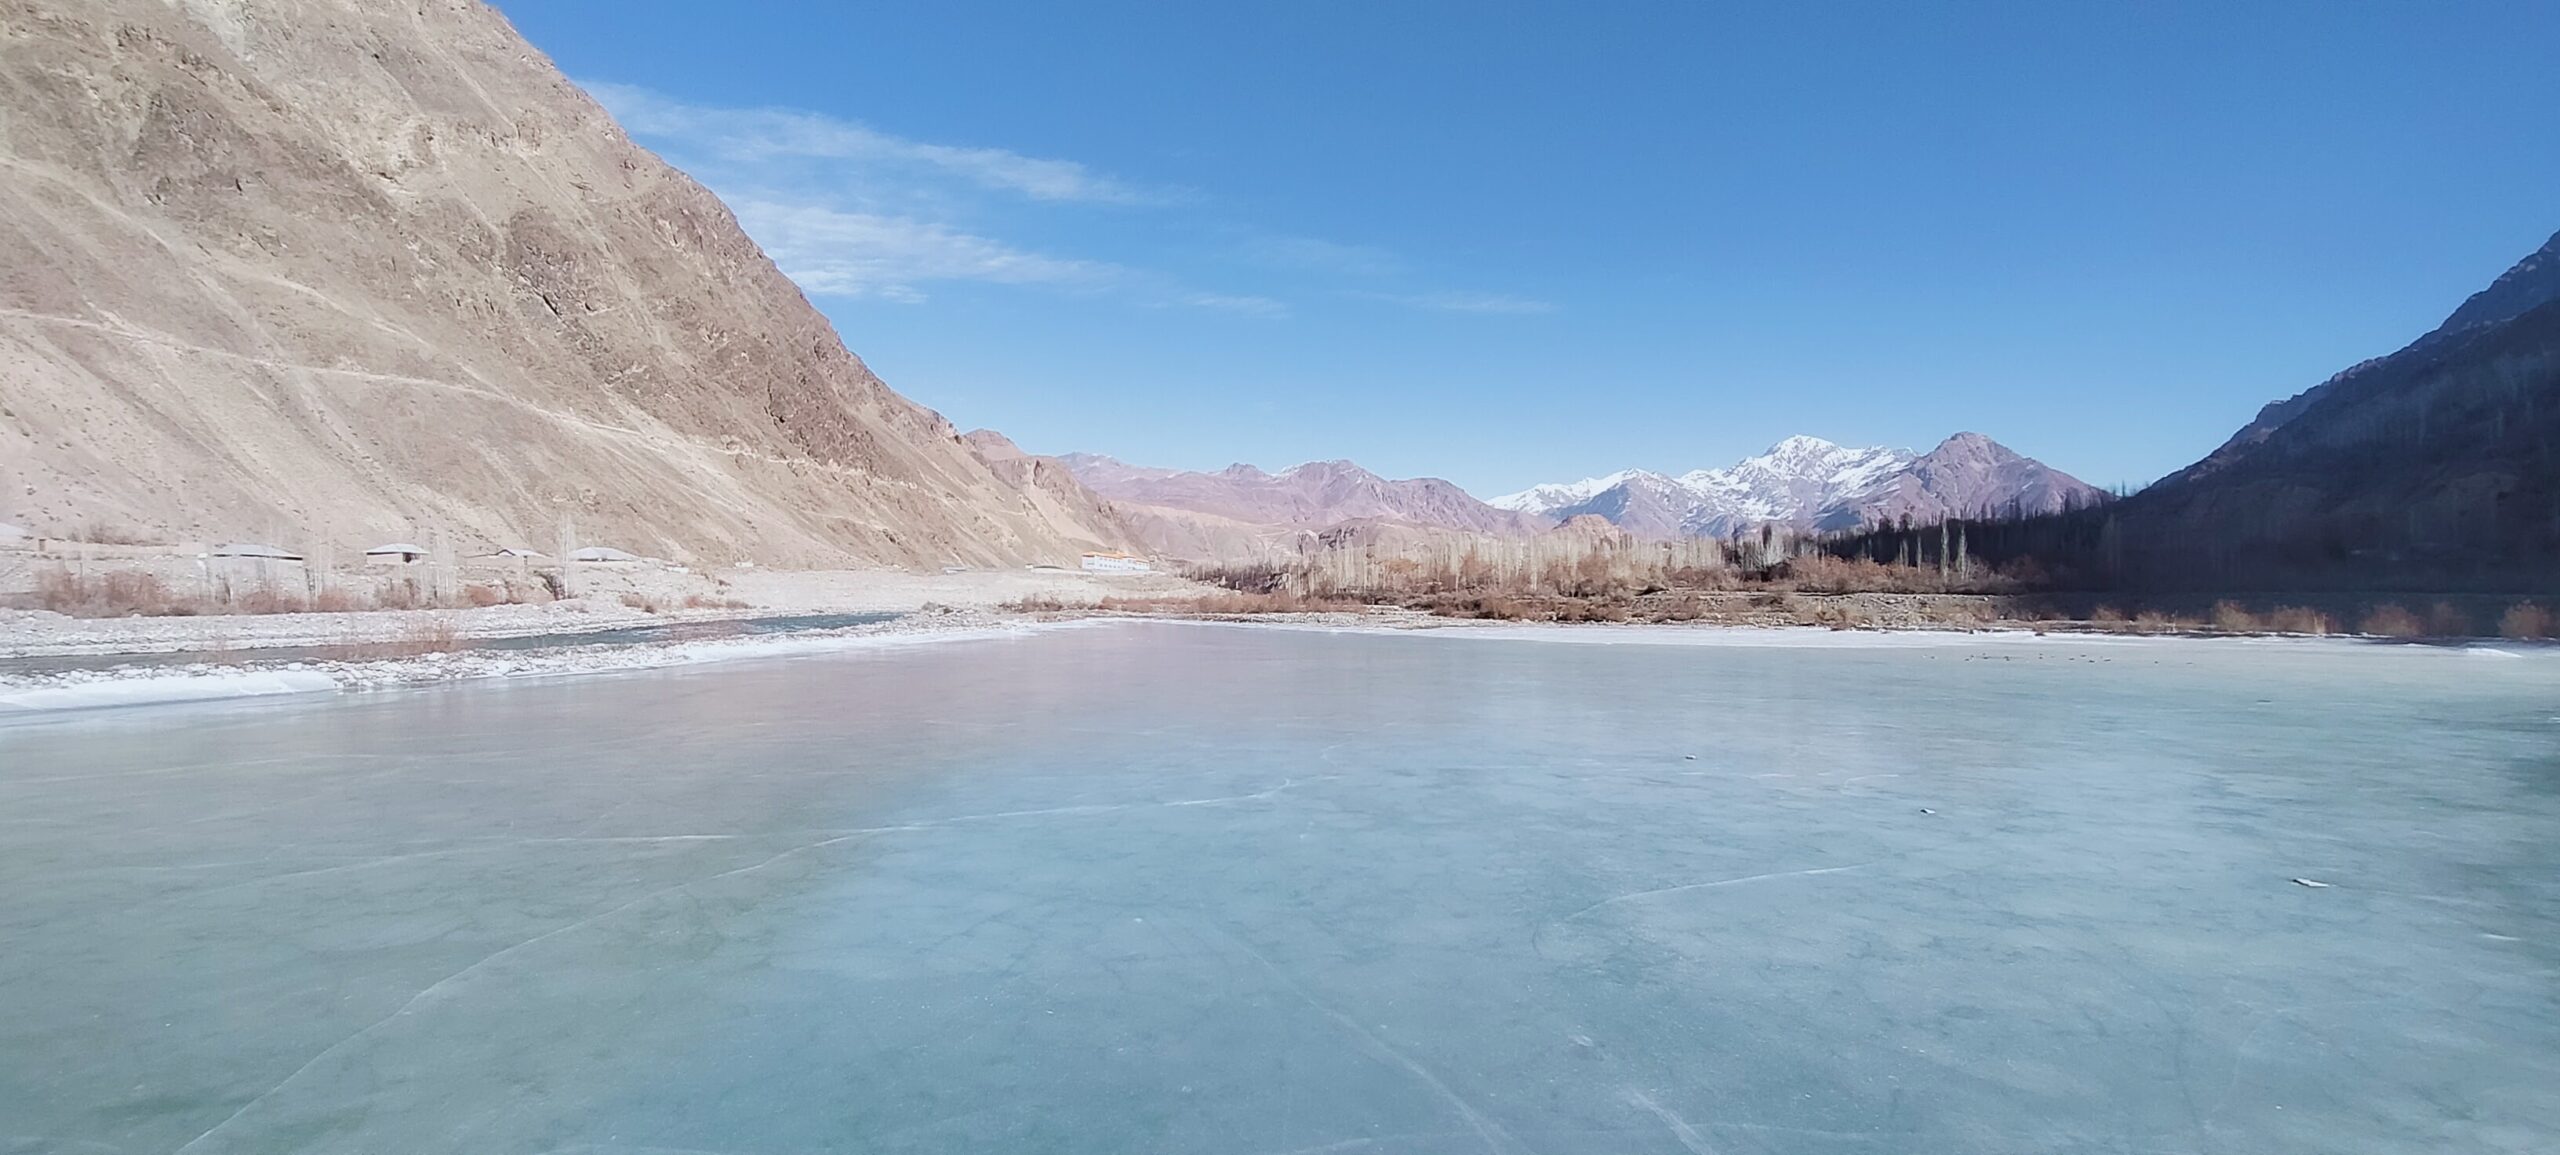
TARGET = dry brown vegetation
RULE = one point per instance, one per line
(433, 635)
(400, 595)
(268, 598)
(125, 593)
(80, 592)
(1600, 575)
(430, 634)
(1529, 609)
(1823, 573)
(2525, 621)
(1596, 574)
(2391, 622)
(2387, 620)
(2300, 620)
(111, 595)
(1231, 603)
(100, 533)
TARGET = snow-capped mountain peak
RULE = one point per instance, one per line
(1537, 498)
(1809, 483)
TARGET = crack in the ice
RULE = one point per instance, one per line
(1643, 894)
(1680, 1128)
(2240, 1049)
(440, 984)
(155, 772)
(841, 832)
(448, 852)
(56, 1143)
(626, 1149)
(1495, 1138)
(1285, 783)
(1103, 807)
(1366, 1142)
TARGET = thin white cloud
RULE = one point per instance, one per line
(750, 135)
(851, 254)
(1463, 302)
(1247, 304)
(1323, 256)
(846, 210)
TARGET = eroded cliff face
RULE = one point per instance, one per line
(341, 271)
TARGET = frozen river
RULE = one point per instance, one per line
(1165, 888)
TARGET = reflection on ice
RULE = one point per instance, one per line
(1169, 888)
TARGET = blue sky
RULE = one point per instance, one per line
(1507, 244)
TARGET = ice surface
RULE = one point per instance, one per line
(168, 688)
(1155, 887)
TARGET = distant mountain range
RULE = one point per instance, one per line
(1240, 509)
(1812, 484)
(1802, 482)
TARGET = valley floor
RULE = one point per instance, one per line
(614, 597)
(629, 618)
(645, 615)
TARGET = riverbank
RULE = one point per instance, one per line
(71, 671)
(633, 617)
(218, 677)
(626, 598)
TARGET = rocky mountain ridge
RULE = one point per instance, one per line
(1241, 509)
(2434, 468)
(1808, 483)
(321, 271)
(2527, 285)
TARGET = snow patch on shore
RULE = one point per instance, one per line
(90, 689)
(142, 691)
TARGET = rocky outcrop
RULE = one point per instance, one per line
(335, 271)
(1046, 482)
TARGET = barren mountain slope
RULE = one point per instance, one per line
(2529, 284)
(1241, 511)
(1049, 485)
(335, 271)
(1967, 475)
(2436, 468)
(2433, 470)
